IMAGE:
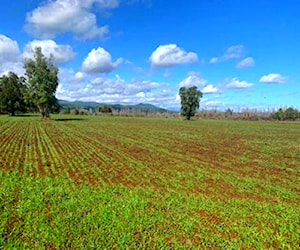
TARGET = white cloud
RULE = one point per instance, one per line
(79, 76)
(64, 16)
(273, 78)
(235, 83)
(9, 49)
(214, 60)
(10, 59)
(116, 90)
(99, 61)
(170, 55)
(209, 89)
(233, 52)
(245, 63)
(61, 53)
(193, 79)
(212, 104)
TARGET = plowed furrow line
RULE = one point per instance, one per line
(10, 149)
(128, 166)
(97, 160)
(153, 144)
(58, 165)
(6, 128)
(22, 146)
(94, 148)
(48, 159)
(29, 159)
(67, 149)
(38, 152)
(34, 161)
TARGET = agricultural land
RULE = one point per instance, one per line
(80, 182)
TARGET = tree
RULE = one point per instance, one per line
(105, 109)
(42, 77)
(287, 114)
(12, 90)
(291, 114)
(190, 101)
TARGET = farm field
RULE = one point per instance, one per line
(82, 182)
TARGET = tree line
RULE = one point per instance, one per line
(35, 91)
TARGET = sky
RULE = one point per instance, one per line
(242, 54)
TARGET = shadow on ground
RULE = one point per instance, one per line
(68, 119)
(26, 115)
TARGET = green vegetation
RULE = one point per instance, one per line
(42, 83)
(190, 101)
(35, 92)
(12, 89)
(286, 114)
(108, 182)
(105, 109)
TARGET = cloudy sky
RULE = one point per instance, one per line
(240, 54)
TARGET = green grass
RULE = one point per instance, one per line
(136, 183)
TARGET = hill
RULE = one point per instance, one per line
(141, 107)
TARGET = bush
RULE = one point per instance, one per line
(287, 114)
(105, 109)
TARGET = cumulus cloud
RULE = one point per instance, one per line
(193, 79)
(235, 83)
(10, 57)
(170, 55)
(245, 63)
(9, 49)
(233, 52)
(115, 90)
(209, 89)
(68, 16)
(273, 78)
(79, 76)
(99, 61)
(61, 53)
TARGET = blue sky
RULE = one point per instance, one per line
(240, 54)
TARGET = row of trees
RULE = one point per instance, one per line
(36, 92)
(286, 114)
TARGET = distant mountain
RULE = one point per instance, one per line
(141, 107)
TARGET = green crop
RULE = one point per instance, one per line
(148, 183)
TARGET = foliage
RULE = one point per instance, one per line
(229, 112)
(286, 114)
(42, 78)
(12, 90)
(105, 109)
(143, 183)
(190, 101)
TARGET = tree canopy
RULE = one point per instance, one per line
(286, 114)
(105, 109)
(42, 77)
(12, 90)
(190, 101)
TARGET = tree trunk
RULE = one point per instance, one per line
(44, 111)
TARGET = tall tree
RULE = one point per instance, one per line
(190, 101)
(42, 78)
(12, 90)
